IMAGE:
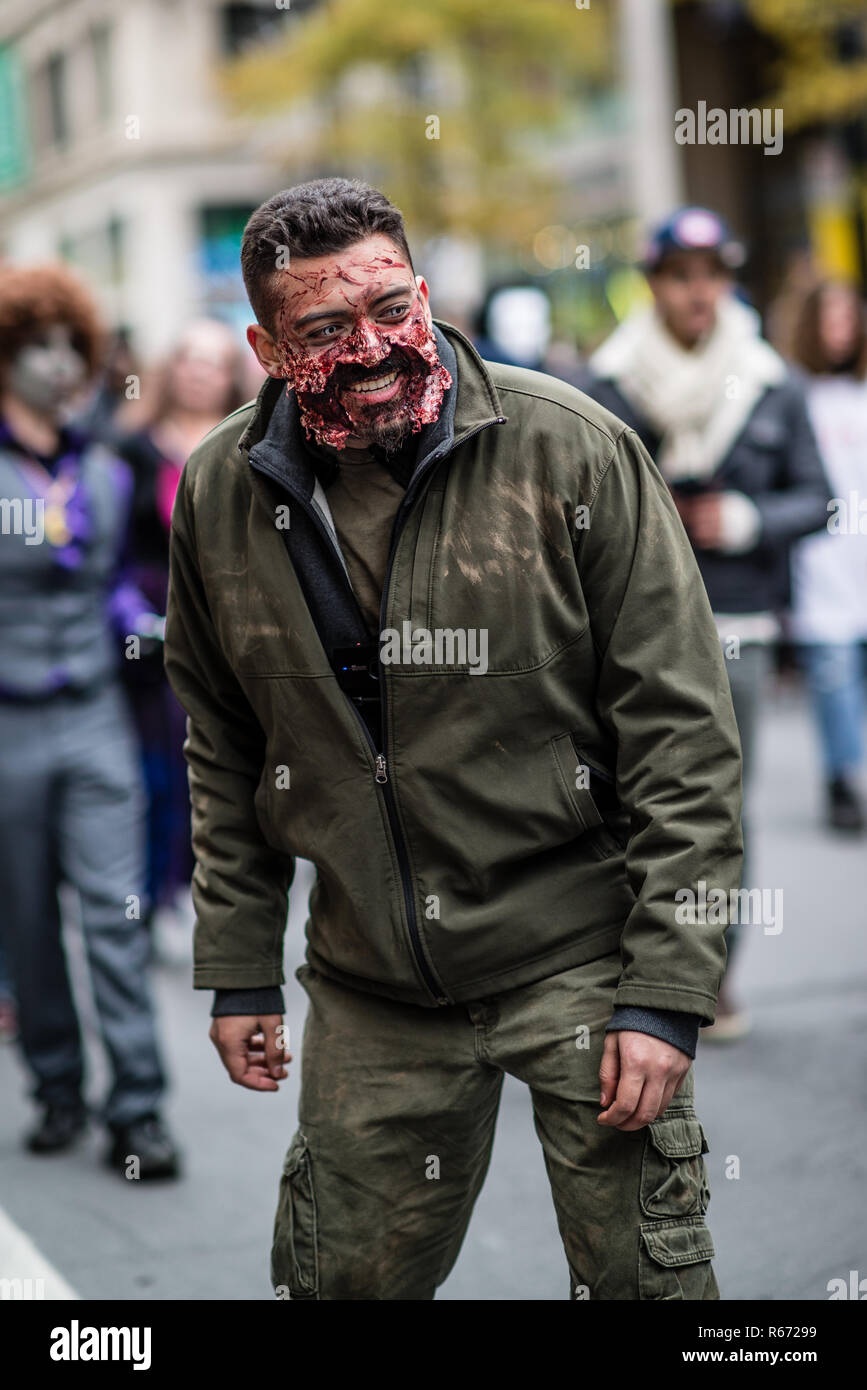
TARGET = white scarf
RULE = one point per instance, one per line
(698, 399)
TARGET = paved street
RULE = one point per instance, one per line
(788, 1103)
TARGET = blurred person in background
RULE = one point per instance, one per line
(829, 572)
(513, 326)
(98, 418)
(8, 1011)
(71, 797)
(564, 361)
(202, 381)
(726, 423)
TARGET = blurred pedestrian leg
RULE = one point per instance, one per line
(73, 810)
(835, 679)
(748, 674)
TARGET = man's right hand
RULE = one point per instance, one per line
(252, 1049)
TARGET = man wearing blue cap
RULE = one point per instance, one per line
(726, 423)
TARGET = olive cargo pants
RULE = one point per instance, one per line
(396, 1122)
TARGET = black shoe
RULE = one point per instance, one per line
(144, 1149)
(58, 1129)
(844, 807)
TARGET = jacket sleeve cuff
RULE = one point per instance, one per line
(678, 1029)
(247, 1001)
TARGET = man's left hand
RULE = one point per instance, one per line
(639, 1075)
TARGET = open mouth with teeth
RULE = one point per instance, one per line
(374, 389)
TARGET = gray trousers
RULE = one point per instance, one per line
(747, 676)
(72, 810)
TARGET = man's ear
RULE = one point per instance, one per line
(424, 296)
(263, 345)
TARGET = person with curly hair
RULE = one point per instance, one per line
(72, 803)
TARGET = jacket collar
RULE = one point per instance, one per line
(276, 438)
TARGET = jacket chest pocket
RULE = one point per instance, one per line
(588, 789)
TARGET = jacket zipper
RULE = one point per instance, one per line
(433, 983)
(380, 760)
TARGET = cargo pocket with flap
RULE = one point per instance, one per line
(674, 1260)
(295, 1251)
(675, 1246)
(673, 1174)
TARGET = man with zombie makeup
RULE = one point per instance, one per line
(499, 860)
(71, 799)
(361, 403)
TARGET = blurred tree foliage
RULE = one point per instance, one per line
(448, 105)
(821, 72)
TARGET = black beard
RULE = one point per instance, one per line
(390, 435)
(388, 430)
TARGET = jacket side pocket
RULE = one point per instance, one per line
(574, 775)
(295, 1250)
(579, 775)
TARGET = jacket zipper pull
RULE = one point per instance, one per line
(381, 774)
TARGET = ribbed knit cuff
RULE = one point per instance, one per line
(670, 1025)
(268, 1000)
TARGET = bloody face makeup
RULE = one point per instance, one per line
(354, 343)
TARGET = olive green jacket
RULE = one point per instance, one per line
(523, 814)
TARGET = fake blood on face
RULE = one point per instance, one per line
(320, 379)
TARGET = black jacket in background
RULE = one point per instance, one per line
(775, 462)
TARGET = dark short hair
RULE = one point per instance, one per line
(311, 219)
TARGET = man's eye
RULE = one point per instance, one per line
(327, 332)
(396, 310)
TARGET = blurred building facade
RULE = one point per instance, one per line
(120, 155)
